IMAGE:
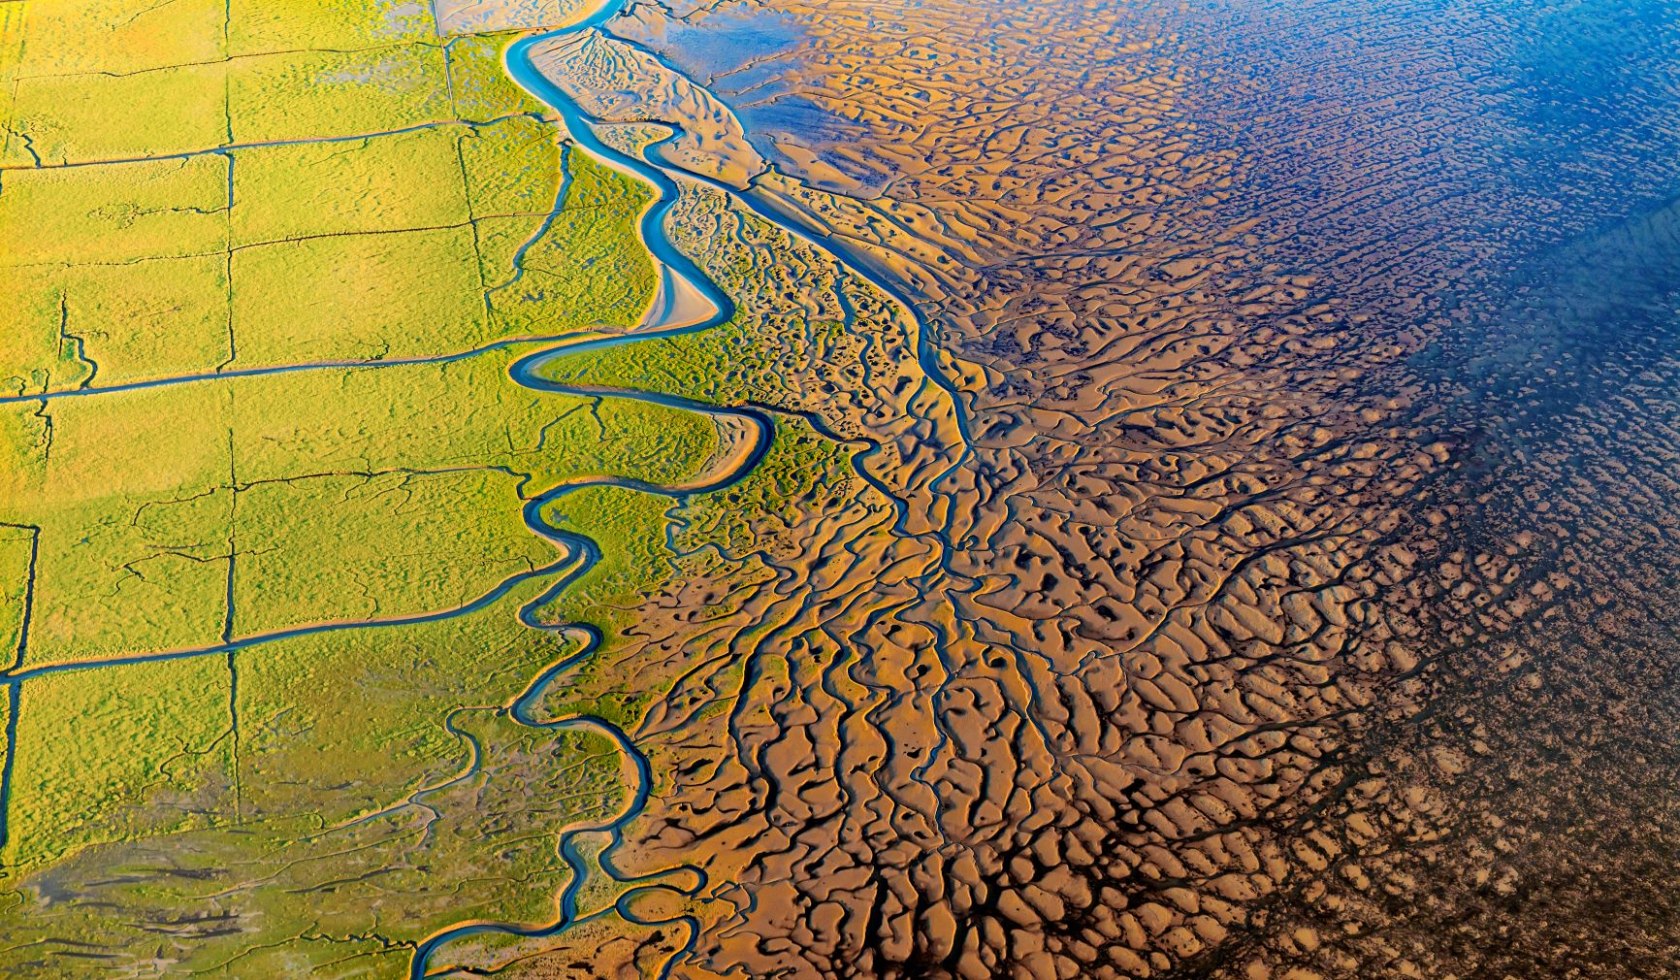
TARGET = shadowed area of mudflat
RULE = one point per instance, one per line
(1256, 317)
(846, 489)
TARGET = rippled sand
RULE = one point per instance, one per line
(1213, 633)
(1221, 514)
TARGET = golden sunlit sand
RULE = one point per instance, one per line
(548, 489)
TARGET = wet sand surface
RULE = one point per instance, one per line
(1194, 495)
(1266, 572)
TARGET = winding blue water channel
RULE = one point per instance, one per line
(585, 552)
(578, 553)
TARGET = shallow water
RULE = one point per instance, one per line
(1443, 237)
(1192, 493)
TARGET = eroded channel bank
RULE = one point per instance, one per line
(666, 320)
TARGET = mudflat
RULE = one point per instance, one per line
(788, 489)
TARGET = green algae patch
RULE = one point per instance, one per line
(260, 26)
(513, 168)
(14, 150)
(357, 297)
(33, 347)
(587, 268)
(26, 439)
(68, 327)
(630, 528)
(375, 800)
(69, 119)
(315, 95)
(115, 213)
(480, 84)
(133, 543)
(388, 544)
(632, 531)
(98, 763)
(358, 186)
(420, 469)
(458, 414)
(83, 37)
(17, 566)
(372, 707)
(277, 590)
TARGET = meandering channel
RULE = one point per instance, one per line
(668, 315)
(677, 271)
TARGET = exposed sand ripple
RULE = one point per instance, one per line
(1146, 590)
